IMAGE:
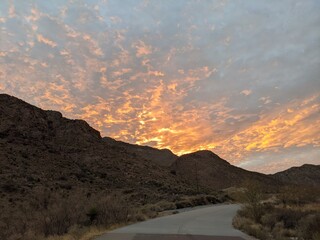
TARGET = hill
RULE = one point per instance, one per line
(53, 170)
(42, 148)
(205, 169)
(306, 174)
(162, 157)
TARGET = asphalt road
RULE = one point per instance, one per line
(208, 223)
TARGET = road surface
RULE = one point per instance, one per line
(207, 223)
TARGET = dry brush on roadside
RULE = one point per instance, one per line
(293, 214)
(78, 215)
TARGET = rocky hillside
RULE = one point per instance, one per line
(204, 169)
(162, 157)
(43, 150)
(306, 174)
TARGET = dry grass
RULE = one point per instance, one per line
(56, 215)
(287, 218)
(76, 233)
(79, 216)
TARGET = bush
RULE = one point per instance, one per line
(309, 227)
(280, 222)
(54, 214)
(112, 210)
(92, 214)
(290, 217)
(251, 228)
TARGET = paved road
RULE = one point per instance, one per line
(208, 223)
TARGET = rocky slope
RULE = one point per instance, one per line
(162, 157)
(306, 174)
(204, 169)
(43, 150)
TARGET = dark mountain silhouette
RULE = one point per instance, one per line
(43, 150)
(162, 157)
(306, 174)
(207, 170)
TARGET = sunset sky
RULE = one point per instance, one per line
(238, 77)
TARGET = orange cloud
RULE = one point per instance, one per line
(57, 96)
(156, 73)
(35, 15)
(93, 45)
(142, 49)
(46, 41)
(281, 129)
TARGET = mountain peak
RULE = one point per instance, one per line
(205, 155)
(162, 157)
(19, 118)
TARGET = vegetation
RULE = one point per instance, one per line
(50, 215)
(79, 216)
(293, 213)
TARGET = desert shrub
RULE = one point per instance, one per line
(149, 211)
(167, 206)
(280, 223)
(112, 210)
(279, 232)
(251, 228)
(240, 221)
(56, 220)
(309, 227)
(92, 214)
(243, 212)
(296, 195)
(256, 212)
(183, 204)
(290, 217)
(237, 196)
(257, 231)
(54, 214)
(269, 220)
(295, 214)
(212, 199)
(138, 217)
(253, 195)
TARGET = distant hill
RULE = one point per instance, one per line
(208, 170)
(162, 157)
(306, 174)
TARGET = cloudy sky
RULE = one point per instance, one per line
(240, 77)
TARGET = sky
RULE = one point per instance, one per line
(240, 77)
